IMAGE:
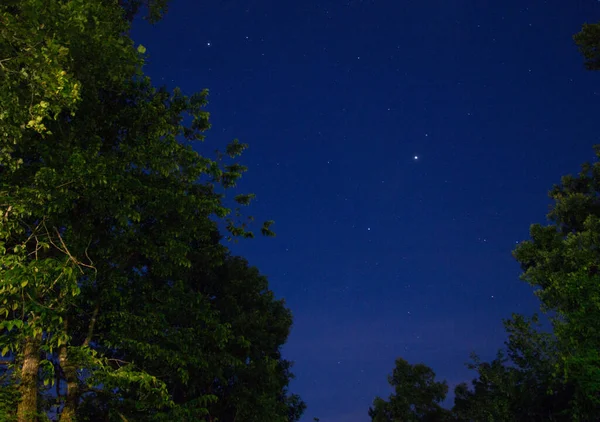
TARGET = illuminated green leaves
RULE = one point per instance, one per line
(101, 203)
(562, 261)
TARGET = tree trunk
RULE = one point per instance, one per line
(69, 369)
(27, 407)
(72, 397)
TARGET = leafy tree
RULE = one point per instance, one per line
(155, 9)
(216, 346)
(42, 170)
(252, 384)
(491, 395)
(588, 41)
(417, 396)
(103, 206)
(561, 260)
(518, 385)
(534, 354)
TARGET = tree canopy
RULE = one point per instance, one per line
(120, 301)
(417, 396)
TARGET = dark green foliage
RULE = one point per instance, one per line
(9, 396)
(492, 393)
(519, 384)
(561, 260)
(154, 9)
(253, 385)
(551, 376)
(416, 398)
(588, 41)
(215, 336)
(108, 230)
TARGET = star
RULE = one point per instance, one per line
(416, 157)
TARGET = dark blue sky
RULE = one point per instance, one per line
(379, 254)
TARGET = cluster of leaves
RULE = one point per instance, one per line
(539, 376)
(118, 300)
(417, 396)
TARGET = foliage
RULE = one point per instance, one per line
(155, 9)
(225, 348)
(417, 396)
(252, 382)
(9, 396)
(108, 230)
(519, 384)
(588, 41)
(561, 260)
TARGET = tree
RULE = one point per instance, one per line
(216, 345)
(102, 204)
(518, 385)
(417, 396)
(155, 9)
(492, 392)
(588, 41)
(561, 260)
(41, 90)
(252, 384)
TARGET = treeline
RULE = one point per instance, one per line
(537, 376)
(118, 300)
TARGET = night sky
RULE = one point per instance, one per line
(403, 147)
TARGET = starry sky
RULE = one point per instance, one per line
(403, 147)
